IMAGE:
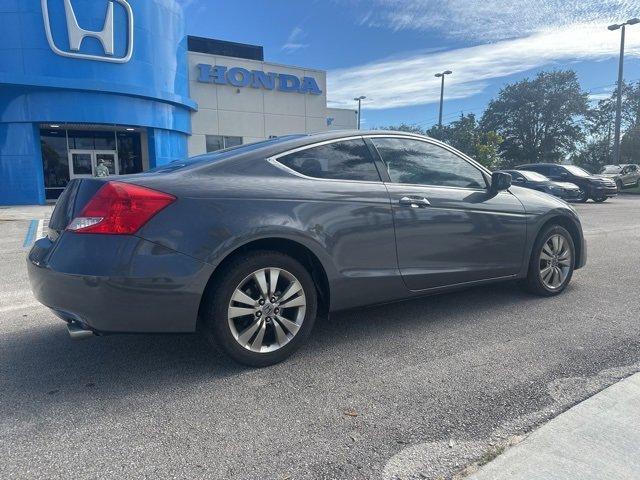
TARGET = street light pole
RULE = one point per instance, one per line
(359, 100)
(618, 127)
(441, 76)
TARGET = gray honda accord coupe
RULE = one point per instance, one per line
(249, 245)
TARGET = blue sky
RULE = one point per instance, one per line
(389, 50)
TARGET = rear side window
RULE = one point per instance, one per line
(423, 163)
(346, 160)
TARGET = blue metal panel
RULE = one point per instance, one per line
(40, 83)
(21, 175)
(165, 146)
(26, 104)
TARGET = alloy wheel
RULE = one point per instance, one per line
(583, 195)
(555, 262)
(266, 310)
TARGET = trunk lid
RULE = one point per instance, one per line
(78, 192)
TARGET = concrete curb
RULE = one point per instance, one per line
(597, 439)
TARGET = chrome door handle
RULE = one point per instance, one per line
(414, 202)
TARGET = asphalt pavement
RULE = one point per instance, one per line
(419, 389)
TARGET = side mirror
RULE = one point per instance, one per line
(500, 181)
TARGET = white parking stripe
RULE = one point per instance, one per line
(40, 229)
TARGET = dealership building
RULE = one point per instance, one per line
(118, 83)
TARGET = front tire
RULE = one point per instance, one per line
(599, 199)
(262, 308)
(552, 262)
(583, 196)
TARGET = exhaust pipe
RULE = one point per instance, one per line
(78, 332)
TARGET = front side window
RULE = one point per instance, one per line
(345, 160)
(421, 163)
(556, 172)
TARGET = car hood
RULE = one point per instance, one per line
(606, 175)
(566, 185)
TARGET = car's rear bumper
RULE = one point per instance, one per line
(117, 284)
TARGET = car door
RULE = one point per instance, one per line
(450, 229)
(341, 201)
(630, 175)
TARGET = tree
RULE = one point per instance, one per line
(539, 119)
(630, 146)
(467, 135)
(403, 127)
(597, 149)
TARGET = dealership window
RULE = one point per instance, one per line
(220, 142)
(421, 163)
(129, 152)
(86, 149)
(346, 160)
(55, 160)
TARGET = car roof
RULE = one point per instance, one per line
(278, 145)
(539, 165)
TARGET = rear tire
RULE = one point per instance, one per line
(242, 318)
(552, 262)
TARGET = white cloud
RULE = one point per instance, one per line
(491, 20)
(410, 81)
(294, 42)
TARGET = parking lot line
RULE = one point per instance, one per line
(31, 233)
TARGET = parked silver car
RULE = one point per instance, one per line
(625, 176)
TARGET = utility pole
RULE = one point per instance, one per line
(441, 76)
(359, 100)
(616, 141)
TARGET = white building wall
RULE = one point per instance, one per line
(256, 114)
(341, 119)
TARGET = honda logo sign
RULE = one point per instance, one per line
(77, 34)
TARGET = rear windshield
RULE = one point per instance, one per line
(220, 154)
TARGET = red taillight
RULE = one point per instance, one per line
(120, 209)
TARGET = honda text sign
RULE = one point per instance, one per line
(241, 77)
(99, 30)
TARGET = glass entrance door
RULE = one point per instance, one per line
(105, 163)
(93, 163)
